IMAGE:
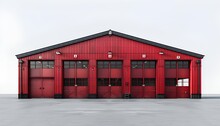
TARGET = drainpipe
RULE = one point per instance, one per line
(20, 77)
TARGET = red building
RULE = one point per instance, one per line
(109, 65)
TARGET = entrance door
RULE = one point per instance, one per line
(75, 79)
(143, 80)
(109, 79)
(177, 79)
(41, 76)
(41, 88)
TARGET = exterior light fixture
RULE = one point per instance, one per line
(40, 57)
(21, 61)
(144, 55)
(109, 54)
(161, 53)
(110, 32)
(75, 56)
(58, 53)
(177, 57)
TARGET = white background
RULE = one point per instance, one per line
(192, 25)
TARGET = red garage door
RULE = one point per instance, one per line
(75, 79)
(177, 79)
(143, 81)
(109, 79)
(41, 79)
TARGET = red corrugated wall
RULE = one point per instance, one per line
(122, 49)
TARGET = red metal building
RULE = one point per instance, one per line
(109, 65)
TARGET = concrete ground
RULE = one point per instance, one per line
(109, 112)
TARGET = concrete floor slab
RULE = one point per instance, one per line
(109, 112)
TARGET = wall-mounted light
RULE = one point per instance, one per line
(21, 61)
(161, 53)
(58, 53)
(75, 56)
(177, 57)
(144, 55)
(39, 57)
(109, 54)
(110, 32)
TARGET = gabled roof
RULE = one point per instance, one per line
(109, 32)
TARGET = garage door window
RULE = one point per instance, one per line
(170, 82)
(183, 82)
(170, 64)
(82, 82)
(103, 81)
(137, 81)
(183, 64)
(69, 82)
(115, 81)
(42, 64)
(149, 81)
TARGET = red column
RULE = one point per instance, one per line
(160, 79)
(126, 83)
(195, 78)
(58, 78)
(92, 79)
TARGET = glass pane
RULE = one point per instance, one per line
(66, 64)
(72, 64)
(106, 63)
(85, 64)
(45, 64)
(79, 64)
(38, 64)
(32, 64)
(51, 64)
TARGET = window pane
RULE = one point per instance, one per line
(32, 64)
(79, 64)
(167, 64)
(72, 64)
(170, 82)
(173, 64)
(51, 64)
(112, 64)
(106, 63)
(134, 64)
(45, 64)
(100, 64)
(85, 64)
(66, 64)
(38, 64)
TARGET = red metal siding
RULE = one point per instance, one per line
(122, 49)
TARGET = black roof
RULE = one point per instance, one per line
(109, 32)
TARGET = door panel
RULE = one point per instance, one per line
(48, 88)
(183, 92)
(109, 79)
(82, 91)
(35, 88)
(69, 92)
(149, 92)
(136, 91)
(116, 92)
(170, 91)
(75, 79)
(104, 92)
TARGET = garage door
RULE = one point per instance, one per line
(75, 79)
(41, 82)
(177, 79)
(143, 81)
(109, 79)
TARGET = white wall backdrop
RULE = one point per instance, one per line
(26, 25)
